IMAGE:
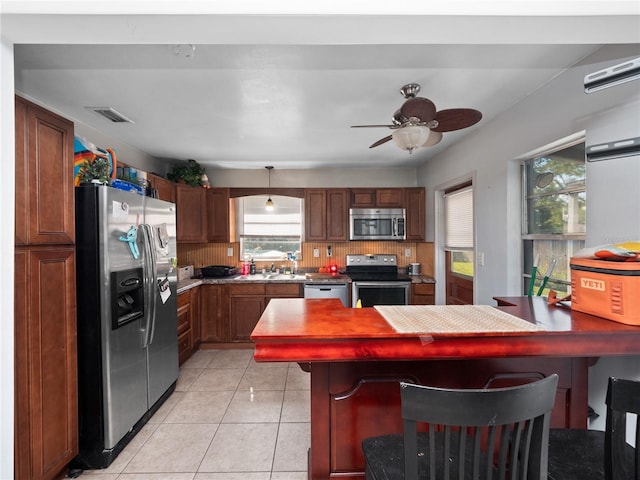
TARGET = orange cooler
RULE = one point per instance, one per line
(607, 289)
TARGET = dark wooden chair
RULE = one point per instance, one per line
(479, 434)
(595, 455)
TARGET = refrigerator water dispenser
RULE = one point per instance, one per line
(127, 299)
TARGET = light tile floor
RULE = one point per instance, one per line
(230, 418)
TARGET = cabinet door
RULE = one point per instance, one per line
(195, 318)
(46, 373)
(191, 214)
(315, 215)
(390, 197)
(423, 294)
(414, 201)
(245, 313)
(218, 227)
(44, 187)
(214, 313)
(164, 187)
(185, 344)
(337, 215)
(363, 198)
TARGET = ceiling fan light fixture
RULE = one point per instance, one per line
(410, 137)
(433, 139)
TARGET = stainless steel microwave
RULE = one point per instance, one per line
(377, 224)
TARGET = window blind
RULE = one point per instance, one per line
(459, 219)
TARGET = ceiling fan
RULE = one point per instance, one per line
(418, 124)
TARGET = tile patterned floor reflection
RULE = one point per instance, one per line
(230, 418)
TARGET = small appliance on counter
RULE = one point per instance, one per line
(218, 271)
(413, 269)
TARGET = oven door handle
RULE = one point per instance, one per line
(383, 283)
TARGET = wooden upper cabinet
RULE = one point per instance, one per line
(326, 212)
(164, 187)
(220, 216)
(363, 197)
(390, 197)
(337, 215)
(415, 210)
(44, 177)
(377, 197)
(315, 214)
(191, 206)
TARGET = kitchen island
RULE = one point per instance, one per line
(356, 360)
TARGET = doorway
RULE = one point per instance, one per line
(459, 244)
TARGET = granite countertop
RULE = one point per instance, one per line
(187, 283)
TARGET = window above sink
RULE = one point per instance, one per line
(269, 235)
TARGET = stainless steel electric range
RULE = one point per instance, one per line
(375, 280)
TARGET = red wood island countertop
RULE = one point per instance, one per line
(311, 330)
(356, 360)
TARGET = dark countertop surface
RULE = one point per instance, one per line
(188, 283)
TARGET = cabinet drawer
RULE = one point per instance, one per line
(424, 289)
(247, 289)
(184, 346)
(184, 298)
(284, 290)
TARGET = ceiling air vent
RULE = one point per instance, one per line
(111, 114)
(609, 77)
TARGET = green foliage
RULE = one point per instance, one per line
(96, 170)
(191, 173)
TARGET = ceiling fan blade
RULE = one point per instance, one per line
(381, 141)
(373, 126)
(418, 107)
(456, 119)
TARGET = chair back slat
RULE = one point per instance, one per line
(623, 397)
(497, 434)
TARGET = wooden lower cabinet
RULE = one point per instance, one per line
(185, 344)
(188, 323)
(46, 389)
(230, 312)
(214, 313)
(423, 293)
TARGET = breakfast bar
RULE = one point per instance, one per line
(356, 358)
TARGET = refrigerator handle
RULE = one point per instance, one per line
(149, 280)
(153, 274)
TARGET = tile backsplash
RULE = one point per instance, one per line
(203, 254)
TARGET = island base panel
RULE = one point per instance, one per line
(353, 400)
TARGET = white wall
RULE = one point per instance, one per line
(329, 177)
(557, 110)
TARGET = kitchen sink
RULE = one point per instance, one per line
(261, 277)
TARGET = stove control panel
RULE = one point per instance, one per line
(372, 260)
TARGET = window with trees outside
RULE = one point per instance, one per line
(554, 215)
(269, 235)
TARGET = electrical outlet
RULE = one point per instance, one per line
(230, 252)
(481, 259)
(329, 251)
(316, 253)
(407, 252)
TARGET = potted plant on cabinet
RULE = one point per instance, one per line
(191, 173)
(95, 172)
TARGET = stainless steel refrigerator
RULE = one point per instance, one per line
(127, 316)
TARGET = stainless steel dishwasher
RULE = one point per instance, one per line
(327, 290)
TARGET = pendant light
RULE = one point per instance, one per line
(269, 203)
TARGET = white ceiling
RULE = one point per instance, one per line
(265, 97)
